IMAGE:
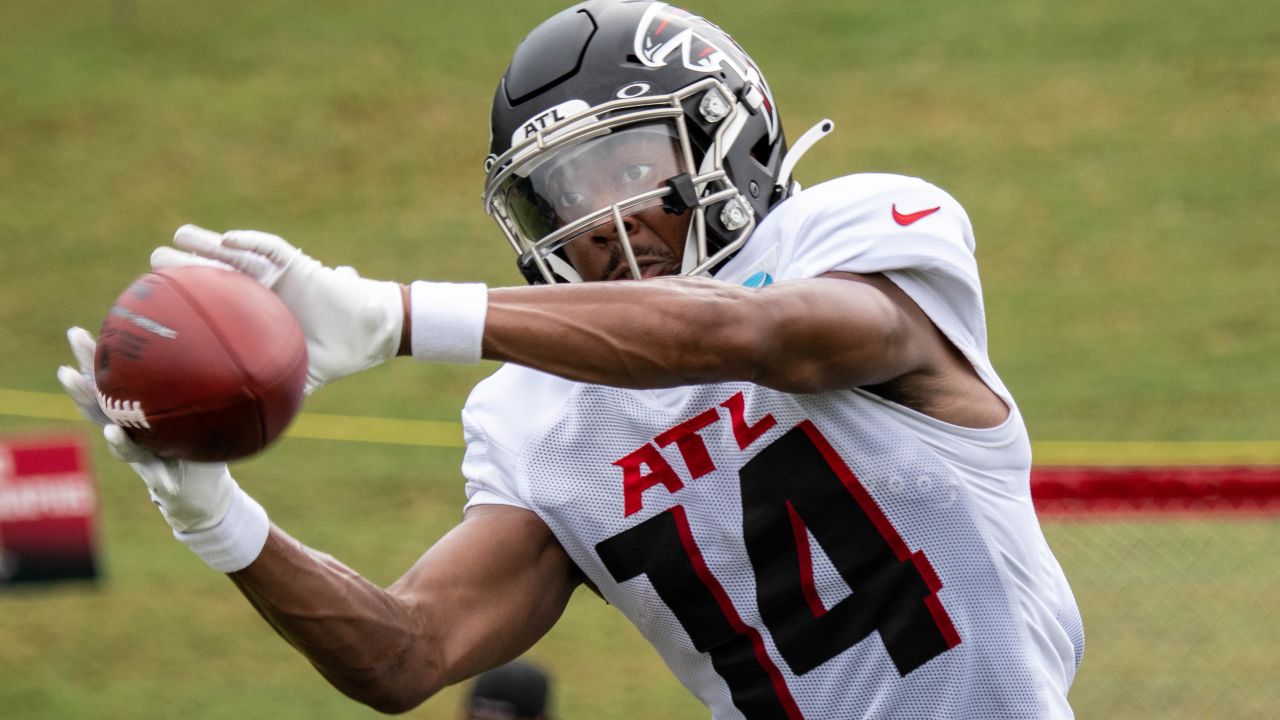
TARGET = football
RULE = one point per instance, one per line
(200, 363)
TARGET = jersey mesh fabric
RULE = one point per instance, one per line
(574, 485)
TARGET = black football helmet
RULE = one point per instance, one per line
(607, 74)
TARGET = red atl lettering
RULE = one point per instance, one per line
(689, 442)
(635, 481)
(693, 450)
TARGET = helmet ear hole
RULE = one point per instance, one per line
(762, 151)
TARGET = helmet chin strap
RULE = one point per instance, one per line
(802, 146)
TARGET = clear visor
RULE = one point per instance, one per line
(569, 184)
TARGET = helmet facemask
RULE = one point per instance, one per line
(570, 177)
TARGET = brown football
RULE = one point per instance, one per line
(200, 363)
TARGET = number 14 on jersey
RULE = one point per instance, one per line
(795, 486)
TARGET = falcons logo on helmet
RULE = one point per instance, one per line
(666, 34)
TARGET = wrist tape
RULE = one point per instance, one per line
(448, 320)
(234, 542)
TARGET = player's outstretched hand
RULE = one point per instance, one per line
(192, 496)
(350, 323)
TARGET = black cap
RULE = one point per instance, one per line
(515, 690)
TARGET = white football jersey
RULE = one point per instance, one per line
(832, 555)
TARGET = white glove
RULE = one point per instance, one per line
(201, 501)
(350, 323)
(191, 495)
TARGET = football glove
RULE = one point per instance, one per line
(191, 496)
(350, 323)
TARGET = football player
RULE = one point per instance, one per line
(784, 453)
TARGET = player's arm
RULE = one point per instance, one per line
(810, 335)
(479, 597)
(837, 331)
(482, 595)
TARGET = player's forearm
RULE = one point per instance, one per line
(657, 333)
(803, 336)
(361, 638)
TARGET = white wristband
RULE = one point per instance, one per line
(448, 320)
(234, 542)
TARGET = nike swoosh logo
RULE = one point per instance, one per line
(907, 219)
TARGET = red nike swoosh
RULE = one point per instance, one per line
(907, 219)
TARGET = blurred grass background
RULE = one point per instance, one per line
(1119, 162)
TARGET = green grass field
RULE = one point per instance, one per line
(1118, 161)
